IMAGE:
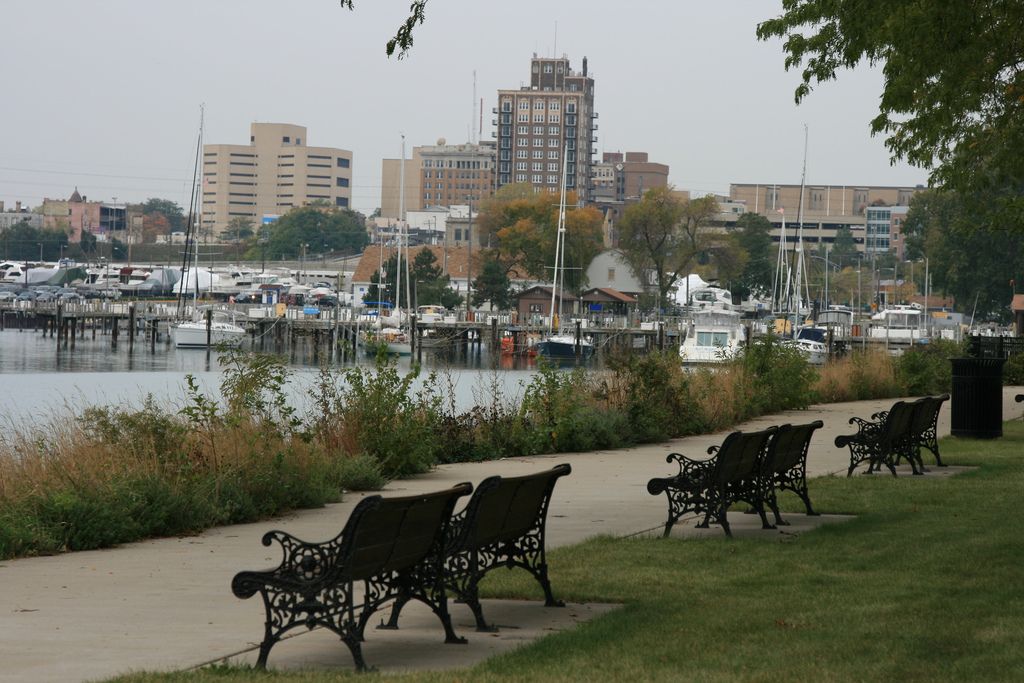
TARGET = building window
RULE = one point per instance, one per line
(286, 139)
(552, 142)
(523, 118)
(573, 87)
(520, 165)
(548, 68)
(524, 104)
(611, 275)
(538, 142)
(552, 154)
(570, 108)
(342, 182)
(552, 180)
(537, 179)
(522, 154)
(343, 162)
(538, 104)
(552, 167)
(538, 118)
(561, 68)
(538, 130)
(520, 177)
(554, 105)
(554, 118)
(538, 154)
(523, 130)
(506, 105)
(537, 166)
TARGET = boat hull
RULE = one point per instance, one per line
(563, 347)
(194, 335)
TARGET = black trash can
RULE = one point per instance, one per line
(976, 403)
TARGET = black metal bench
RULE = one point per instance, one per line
(785, 465)
(395, 546)
(924, 427)
(1019, 398)
(503, 525)
(882, 441)
(709, 487)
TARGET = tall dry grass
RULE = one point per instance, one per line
(858, 376)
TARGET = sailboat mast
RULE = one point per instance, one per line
(800, 266)
(190, 225)
(401, 221)
(559, 239)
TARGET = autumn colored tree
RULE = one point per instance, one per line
(523, 227)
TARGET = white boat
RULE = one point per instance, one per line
(714, 335)
(194, 334)
(207, 328)
(899, 324)
(395, 340)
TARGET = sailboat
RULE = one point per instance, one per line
(199, 333)
(561, 344)
(390, 333)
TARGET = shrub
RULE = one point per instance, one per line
(778, 374)
(1013, 370)
(859, 375)
(925, 368)
(651, 394)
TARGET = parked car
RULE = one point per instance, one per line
(7, 296)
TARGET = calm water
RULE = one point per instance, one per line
(39, 380)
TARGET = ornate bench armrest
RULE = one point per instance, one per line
(302, 564)
(690, 468)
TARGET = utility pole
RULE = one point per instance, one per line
(469, 264)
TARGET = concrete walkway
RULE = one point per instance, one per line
(166, 604)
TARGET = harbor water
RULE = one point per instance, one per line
(41, 380)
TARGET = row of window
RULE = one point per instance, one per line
(538, 104)
(454, 174)
(537, 118)
(456, 186)
(447, 163)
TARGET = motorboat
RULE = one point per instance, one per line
(195, 334)
(714, 335)
(898, 324)
(564, 346)
(395, 341)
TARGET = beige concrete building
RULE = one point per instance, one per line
(276, 171)
(828, 209)
(539, 122)
(390, 182)
(822, 201)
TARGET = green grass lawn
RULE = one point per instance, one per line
(926, 584)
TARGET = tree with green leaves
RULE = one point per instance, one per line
(322, 229)
(22, 242)
(953, 94)
(493, 284)
(430, 284)
(402, 40)
(844, 248)
(972, 262)
(663, 235)
(753, 234)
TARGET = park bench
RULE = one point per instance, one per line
(503, 525)
(394, 546)
(709, 487)
(785, 465)
(924, 427)
(882, 441)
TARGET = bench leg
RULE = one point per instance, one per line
(396, 610)
(352, 640)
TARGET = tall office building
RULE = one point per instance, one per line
(275, 172)
(539, 122)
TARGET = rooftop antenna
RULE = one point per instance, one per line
(472, 115)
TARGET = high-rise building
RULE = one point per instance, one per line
(275, 172)
(539, 122)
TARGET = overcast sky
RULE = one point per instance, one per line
(105, 95)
